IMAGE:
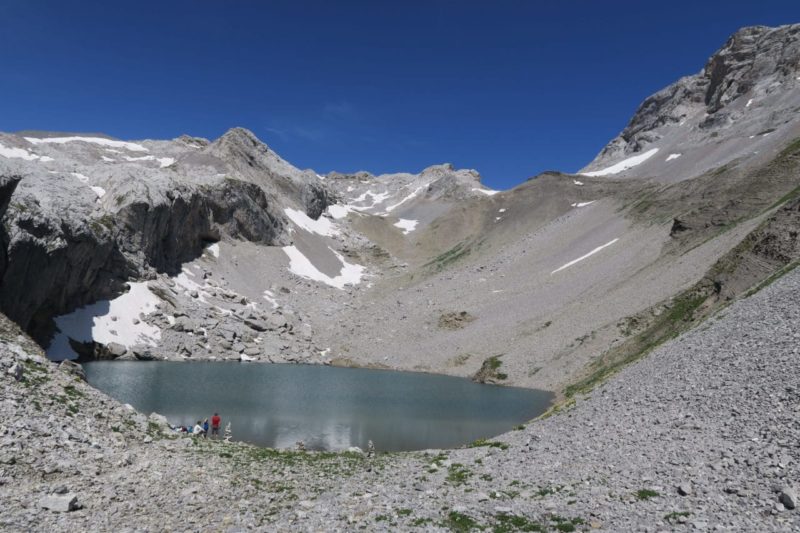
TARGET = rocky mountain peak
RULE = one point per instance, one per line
(756, 62)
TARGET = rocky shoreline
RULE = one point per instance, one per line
(701, 435)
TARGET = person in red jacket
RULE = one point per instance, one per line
(215, 423)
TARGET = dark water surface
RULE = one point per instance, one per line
(326, 407)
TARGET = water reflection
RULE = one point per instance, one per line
(327, 408)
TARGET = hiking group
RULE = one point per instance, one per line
(201, 428)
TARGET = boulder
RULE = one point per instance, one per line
(116, 349)
(71, 367)
(788, 497)
(60, 503)
(15, 371)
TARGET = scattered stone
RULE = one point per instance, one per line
(16, 371)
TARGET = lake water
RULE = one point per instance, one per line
(328, 408)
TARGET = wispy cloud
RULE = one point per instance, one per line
(339, 111)
(330, 120)
(283, 134)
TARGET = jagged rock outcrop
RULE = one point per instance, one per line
(255, 161)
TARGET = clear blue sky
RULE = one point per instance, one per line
(509, 88)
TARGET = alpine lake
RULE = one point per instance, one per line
(325, 407)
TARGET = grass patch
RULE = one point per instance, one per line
(646, 494)
(460, 522)
(506, 523)
(489, 370)
(483, 443)
(458, 474)
(675, 516)
(449, 257)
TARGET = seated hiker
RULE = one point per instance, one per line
(198, 429)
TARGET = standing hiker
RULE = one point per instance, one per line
(215, 423)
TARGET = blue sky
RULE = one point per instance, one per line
(510, 88)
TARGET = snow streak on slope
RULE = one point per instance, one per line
(94, 140)
(625, 164)
(581, 258)
(487, 192)
(350, 274)
(321, 226)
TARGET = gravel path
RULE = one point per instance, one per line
(702, 435)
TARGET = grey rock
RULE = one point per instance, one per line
(685, 489)
(15, 371)
(788, 497)
(60, 503)
(73, 368)
(116, 349)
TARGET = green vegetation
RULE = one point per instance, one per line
(489, 370)
(674, 516)
(458, 474)
(480, 443)
(419, 522)
(34, 374)
(403, 512)
(460, 522)
(679, 317)
(646, 494)
(449, 257)
(506, 523)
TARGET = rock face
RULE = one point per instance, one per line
(755, 61)
(75, 238)
(7, 186)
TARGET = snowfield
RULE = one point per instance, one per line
(623, 165)
(299, 264)
(133, 147)
(108, 321)
(322, 226)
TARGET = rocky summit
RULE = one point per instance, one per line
(654, 292)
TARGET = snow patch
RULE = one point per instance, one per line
(338, 211)
(142, 158)
(165, 161)
(108, 321)
(503, 210)
(625, 164)
(582, 204)
(107, 159)
(670, 157)
(350, 274)
(407, 198)
(269, 296)
(133, 147)
(82, 177)
(213, 249)
(322, 226)
(749, 103)
(46, 159)
(99, 191)
(576, 182)
(487, 192)
(406, 225)
(581, 258)
(17, 153)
